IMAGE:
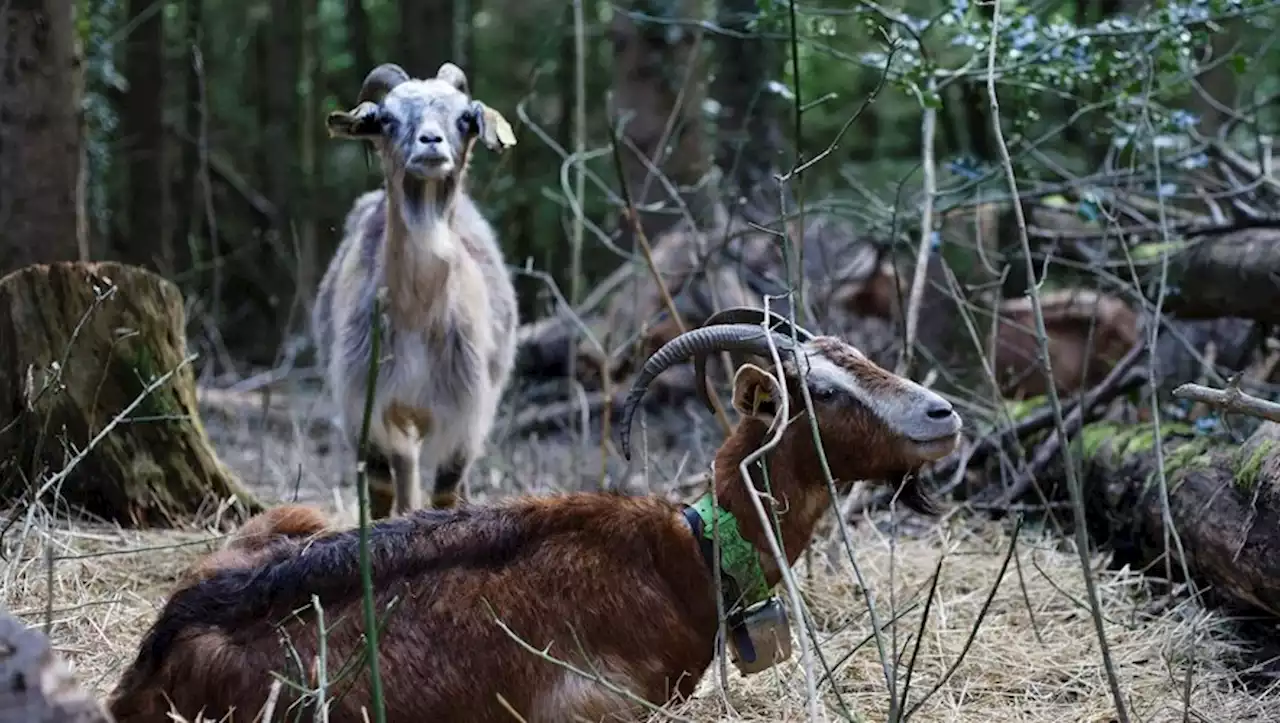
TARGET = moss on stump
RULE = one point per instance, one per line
(80, 344)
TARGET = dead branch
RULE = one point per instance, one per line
(1230, 399)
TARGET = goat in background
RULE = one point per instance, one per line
(619, 586)
(422, 246)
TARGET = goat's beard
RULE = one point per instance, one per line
(909, 490)
(424, 197)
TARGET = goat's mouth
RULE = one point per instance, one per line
(932, 449)
(431, 168)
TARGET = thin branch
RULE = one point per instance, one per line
(782, 418)
(57, 478)
(633, 217)
(1231, 400)
(930, 170)
(1073, 481)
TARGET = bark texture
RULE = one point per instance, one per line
(1224, 501)
(1232, 274)
(79, 344)
(41, 153)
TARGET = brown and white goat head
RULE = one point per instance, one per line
(874, 425)
(423, 128)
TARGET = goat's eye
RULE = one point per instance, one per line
(467, 123)
(826, 394)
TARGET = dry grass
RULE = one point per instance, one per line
(107, 585)
(1008, 674)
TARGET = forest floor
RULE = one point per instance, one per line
(1035, 656)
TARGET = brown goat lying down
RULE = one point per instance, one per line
(615, 585)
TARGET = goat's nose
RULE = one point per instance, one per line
(429, 138)
(940, 409)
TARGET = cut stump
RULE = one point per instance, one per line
(98, 401)
(35, 685)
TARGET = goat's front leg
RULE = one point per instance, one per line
(404, 467)
(449, 477)
(378, 475)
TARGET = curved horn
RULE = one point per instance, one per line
(747, 338)
(740, 315)
(380, 81)
(753, 315)
(454, 76)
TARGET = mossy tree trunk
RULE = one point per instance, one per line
(1223, 500)
(36, 685)
(97, 398)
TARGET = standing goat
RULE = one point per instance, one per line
(621, 587)
(422, 247)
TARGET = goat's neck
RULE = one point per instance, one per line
(420, 246)
(801, 497)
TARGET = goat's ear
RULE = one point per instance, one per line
(494, 130)
(359, 122)
(755, 393)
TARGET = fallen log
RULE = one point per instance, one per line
(35, 684)
(98, 400)
(1228, 274)
(1223, 500)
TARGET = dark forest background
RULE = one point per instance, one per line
(187, 136)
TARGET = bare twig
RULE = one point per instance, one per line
(930, 171)
(782, 419)
(1073, 481)
(1231, 400)
(633, 217)
(608, 684)
(58, 477)
(1122, 378)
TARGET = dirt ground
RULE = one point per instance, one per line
(1035, 656)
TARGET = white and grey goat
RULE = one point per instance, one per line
(422, 246)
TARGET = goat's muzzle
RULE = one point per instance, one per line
(697, 343)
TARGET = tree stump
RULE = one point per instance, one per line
(35, 685)
(97, 398)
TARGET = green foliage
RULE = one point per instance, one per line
(1119, 82)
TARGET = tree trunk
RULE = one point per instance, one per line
(41, 151)
(358, 41)
(1224, 502)
(426, 36)
(84, 403)
(658, 85)
(188, 186)
(35, 684)
(312, 135)
(142, 128)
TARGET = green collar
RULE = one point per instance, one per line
(739, 559)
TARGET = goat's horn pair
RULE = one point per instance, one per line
(740, 315)
(743, 338)
(380, 81)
